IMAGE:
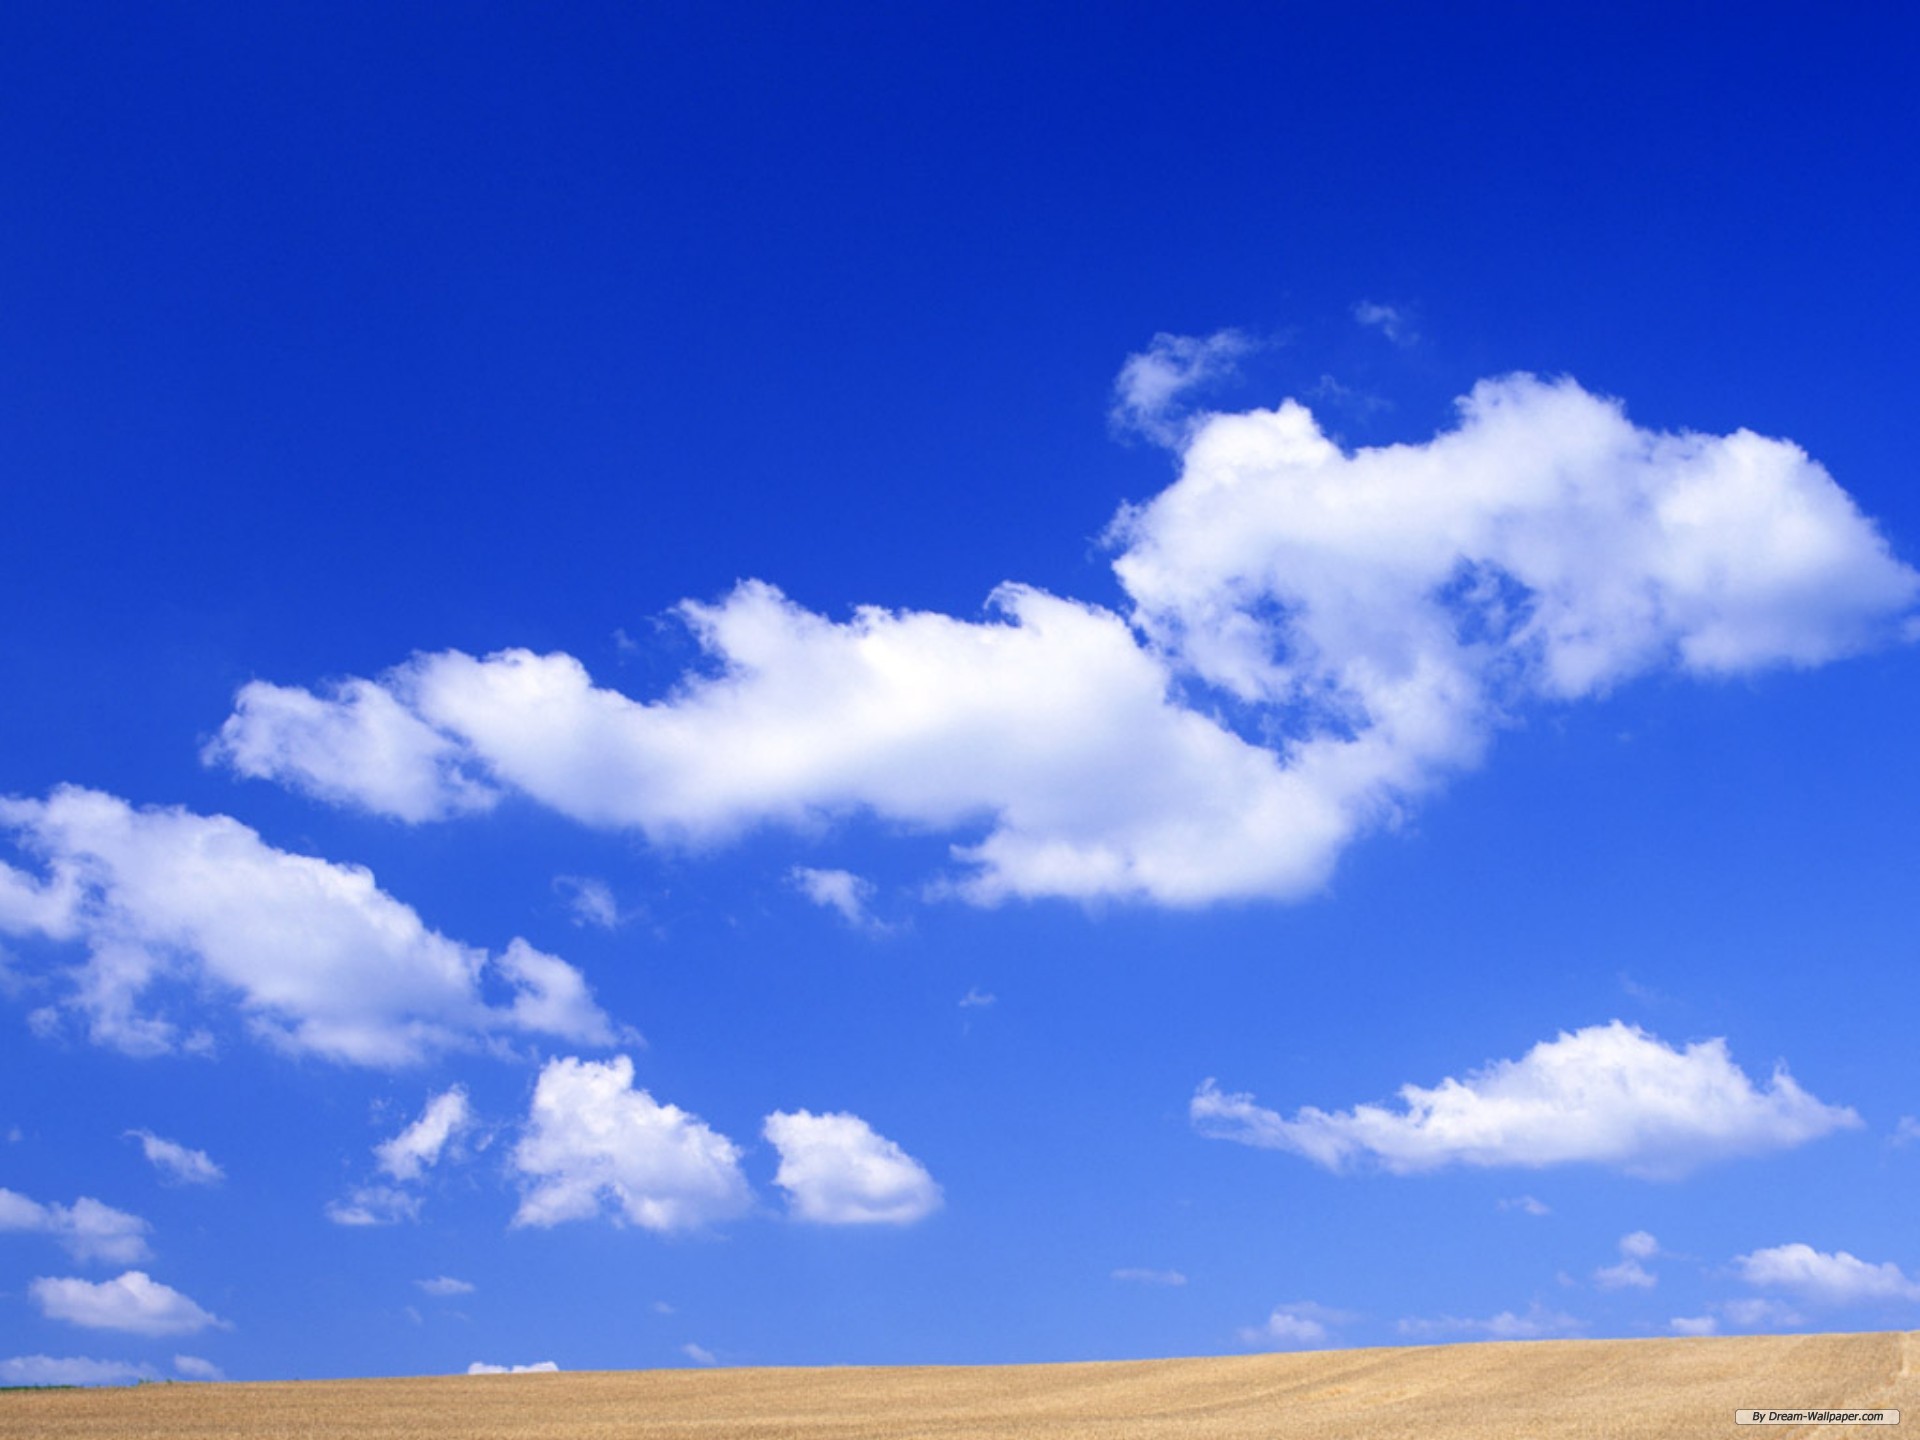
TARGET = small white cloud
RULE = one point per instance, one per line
(595, 1145)
(837, 1171)
(1387, 319)
(1905, 1132)
(1150, 1277)
(195, 1368)
(1639, 1245)
(1150, 392)
(71, 1370)
(1526, 1205)
(841, 891)
(1608, 1094)
(1299, 1326)
(134, 1302)
(86, 1229)
(368, 1205)
(407, 1156)
(1630, 1273)
(591, 901)
(1821, 1278)
(543, 1367)
(1760, 1314)
(1538, 1323)
(442, 1287)
(1694, 1325)
(176, 1162)
(699, 1354)
(661, 1307)
(976, 999)
(317, 958)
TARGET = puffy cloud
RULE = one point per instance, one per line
(594, 1144)
(841, 891)
(1149, 393)
(193, 1367)
(87, 1229)
(1629, 1273)
(1300, 1326)
(1151, 1277)
(1608, 1094)
(542, 1367)
(1538, 1323)
(1314, 638)
(444, 1287)
(407, 1156)
(1694, 1325)
(176, 1162)
(134, 1302)
(71, 1370)
(318, 959)
(1825, 1279)
(837, 1171)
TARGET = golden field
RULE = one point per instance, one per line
(1624, 1389)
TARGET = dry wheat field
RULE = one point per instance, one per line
(1627, 1389)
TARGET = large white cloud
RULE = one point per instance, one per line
(88, 1229)
(1823, 1278)
(133, 1302)
(837, 1170)
(594, 1144)
(1609, 1094)
(316, 956)
(1314, 636)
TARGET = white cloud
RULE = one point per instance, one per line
(1694, 1325)
(1300, 1326)
(1151, 1277)
(1905, 1132)
(1149, 395)
(1538, 1323)
(1630, 1274)
(594, 1144)
(443, 1287)
(1608, 1094)
(318, 959)
(71, 1370)
(1760, 1314)
(1639, 1246)
(134, 1302)
(176, 1162)
(841, 891)
(369, 1205)
(87, 1229)
(1825, 1279)
(1387, 319)
(591, 901)
(976, 999)
(407, 1156)
(1315, 638)
(195, 1368)
(542, 1367)
(1526, 1205)
(699, 1354)
(837, 1171)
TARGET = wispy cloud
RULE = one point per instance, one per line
(841, 891)
(176, 1162)
(1390, 320)
(1150, 1277)
(1150, 394)
(1537, 1323)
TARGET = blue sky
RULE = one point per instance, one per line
(957, 684)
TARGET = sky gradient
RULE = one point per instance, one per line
(713, 686)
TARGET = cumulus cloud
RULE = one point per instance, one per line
(176, 1162)
(408, 1155)
(1538, 1323)
(71, 1370)
(1300, 1326)
(841, 891)
(1151, 1277)
(1149, 395)
(1609, 1094)
(595, 1145)
(542, 1367)
(87, 1229)
(443, 1287)
(1629, 1273)
(134, 1302)
(1313, 639)
(1819, 1278)
(316, 957)
(837, 1171)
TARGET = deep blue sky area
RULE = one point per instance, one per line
(331, 337)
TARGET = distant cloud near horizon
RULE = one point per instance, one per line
(1609, 1094)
